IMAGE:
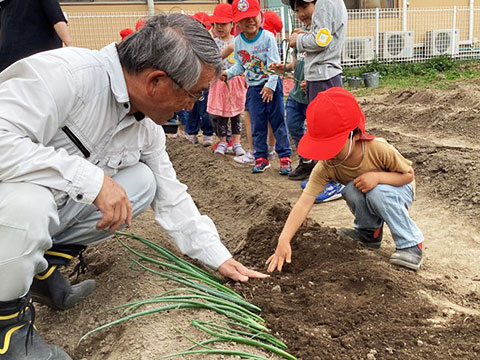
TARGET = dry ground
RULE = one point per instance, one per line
(336, 300)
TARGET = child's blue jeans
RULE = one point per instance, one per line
(384, 203)
(198, 118)
(263, 112)
(296, 114)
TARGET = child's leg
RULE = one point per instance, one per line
(248, 129)
(275, 113)
(365, 218)
(270, 137)
(236, 126)
(391, 203)
(258, 121)
(206, 123)
(192, 121)
(384, 203)
(222, 124)
(296, 114)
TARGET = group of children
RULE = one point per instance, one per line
(335, 152)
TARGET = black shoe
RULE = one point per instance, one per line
(18, 337)
(52, 289)
(370, 238)
(303, 170)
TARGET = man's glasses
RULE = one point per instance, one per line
(193, 96)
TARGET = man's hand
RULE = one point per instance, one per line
(237, 272)
(283, 254)
(366, 181)
(114, 204)
(303, 86)
(267, 94)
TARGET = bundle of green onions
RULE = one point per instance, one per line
(200, 290)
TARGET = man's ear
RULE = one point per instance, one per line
(156, 80)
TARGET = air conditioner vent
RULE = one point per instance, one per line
(358, 49)
(396, 45)
(438, 42)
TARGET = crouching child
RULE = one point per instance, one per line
(379, 181)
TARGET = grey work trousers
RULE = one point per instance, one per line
(30, 224)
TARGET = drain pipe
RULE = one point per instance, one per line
(151, 8)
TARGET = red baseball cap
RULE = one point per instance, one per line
(272, 23)
(244, 9)
(139, 24)
(203, 18)
(125, 32)
(222, 14)
(331, 116)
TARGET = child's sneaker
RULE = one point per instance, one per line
(285, 165)
(411, 258)
(221, 148)
(370, 238)
(333, 191)
(230, 149)
(246, 159)
(260, 165)
(207, 140)
(238, 149)
(303, 170)
(192, 138)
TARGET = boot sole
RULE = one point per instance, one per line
(406, 264)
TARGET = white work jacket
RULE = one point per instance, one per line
(64, 122)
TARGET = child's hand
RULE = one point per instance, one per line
(223, 76)
(267, 94)
(303, 86)
(299, 31)
(367, 181)
(293, 40)
(283, 254)
(277, 67)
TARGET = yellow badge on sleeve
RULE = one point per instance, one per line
(323, 37)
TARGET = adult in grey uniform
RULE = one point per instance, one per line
(82, 153)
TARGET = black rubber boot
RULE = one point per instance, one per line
(18, 338)
(52, 289)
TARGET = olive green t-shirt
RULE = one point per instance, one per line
(378, 156)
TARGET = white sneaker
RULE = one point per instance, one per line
(221, 148)
(192, 138)
(207, 140)
(246, 159)
(238, 149)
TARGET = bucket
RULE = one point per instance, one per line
(371, 79)
(354, 82)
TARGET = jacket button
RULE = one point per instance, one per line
(79, 197)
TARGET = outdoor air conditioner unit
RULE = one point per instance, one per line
(396, 45)
(358, 49)
(438, 42)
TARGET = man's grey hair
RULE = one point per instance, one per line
(175, 43)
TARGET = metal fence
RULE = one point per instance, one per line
(384, 35)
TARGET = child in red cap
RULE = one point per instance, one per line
(272, 22)
(226, 102)
(255, 49)
(379, 181)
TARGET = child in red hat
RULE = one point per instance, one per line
(272, 22)
(255, 49)
(379, 181)
(226, 101)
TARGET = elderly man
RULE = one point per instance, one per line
(82, 153)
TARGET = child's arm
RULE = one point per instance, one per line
(281, 68)
(297, 216)
(227, 50)
(272, 57)
(320, 37)
(369, 180)
(237, 68)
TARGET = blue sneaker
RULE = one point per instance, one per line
(260, 165)
(333, 191)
